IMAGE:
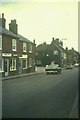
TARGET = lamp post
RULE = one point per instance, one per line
(64, 39)
(64, 60)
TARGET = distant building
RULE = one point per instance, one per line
(72, 56)
(17, 53)
(46, 53)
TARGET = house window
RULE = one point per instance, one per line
(1, 65)
(14, 44)
(24, 47)
(24, 63)
(0, 42)
(30, 62)
(12, 64)
(30, 48)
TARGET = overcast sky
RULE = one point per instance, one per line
(43, 20)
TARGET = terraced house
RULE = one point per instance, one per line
(17, 53)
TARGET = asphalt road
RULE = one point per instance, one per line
(41, 96)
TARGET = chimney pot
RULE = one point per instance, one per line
(14, 20)
(53, 38)
(2, 15)
(34, 41)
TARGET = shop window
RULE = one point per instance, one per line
(12, 64)
(14, 44)
(24, 63)
(0, 42)
(24, 47)
(1, 65)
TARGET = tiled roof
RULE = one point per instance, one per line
(21, 38)
(60, 47)
(7, 32)
(42, 47)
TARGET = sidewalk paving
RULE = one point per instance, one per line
(21, 75)
(37, 71)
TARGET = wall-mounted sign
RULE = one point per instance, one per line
(55, 52)
(6, 54)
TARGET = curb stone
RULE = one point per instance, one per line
(22, 75)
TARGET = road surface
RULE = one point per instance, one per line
(41, 96)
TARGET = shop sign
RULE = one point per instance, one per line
(15, 55)
(6, 54)
(23, 56)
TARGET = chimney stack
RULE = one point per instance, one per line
(13, 27)
(57, 40)
(52, 40)
(2, 20)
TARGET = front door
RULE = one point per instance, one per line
(20, 65)
(6, 67)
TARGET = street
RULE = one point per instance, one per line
(41, 96)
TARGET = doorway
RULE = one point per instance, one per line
(6, 67)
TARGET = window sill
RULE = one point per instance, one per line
(1, 71)
(24, 51)
(30, 51)
(13, 70)
(24, 68)
(14, 50)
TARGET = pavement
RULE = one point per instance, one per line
(37, 71)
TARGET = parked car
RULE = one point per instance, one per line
(76, 64)
(53, 68)
(69, 66)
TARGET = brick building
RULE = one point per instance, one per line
(17, 53)
(46, 53)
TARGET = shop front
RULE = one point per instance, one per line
(9, 64)
(5, 64)
(23, 61)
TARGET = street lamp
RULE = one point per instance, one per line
(64, 39)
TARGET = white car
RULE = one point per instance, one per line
(76, 65)
(53, 68)
(69, 66)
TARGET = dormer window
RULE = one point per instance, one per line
(14, 44)
(24, 47)
(0, 42)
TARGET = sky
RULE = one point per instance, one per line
(44, 19)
